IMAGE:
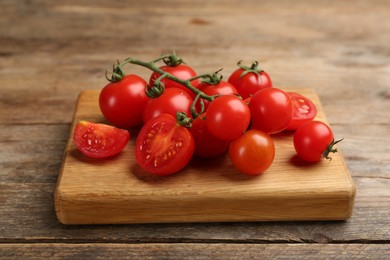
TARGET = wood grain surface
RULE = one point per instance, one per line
(52, 50)
(118, 191)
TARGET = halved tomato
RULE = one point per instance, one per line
(163, 147)
(304, 110)
(99, 140)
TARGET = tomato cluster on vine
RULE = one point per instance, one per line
(183, 114)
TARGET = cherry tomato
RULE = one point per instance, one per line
(222, 88)
(271, 110)
(227, 117)
(303, 110)
(171, 101)
(313, 141)
(252, 153)
(251, 82)
(163, 147)
(99, 140)
(123, 102)
(206, 144)
(180, 71)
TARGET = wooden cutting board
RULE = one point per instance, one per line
(116, 190)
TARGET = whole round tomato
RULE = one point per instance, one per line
(271, 110)
(180, 71)
(221, 88)
(304, 110)
(313, 141)
(163, 147)
(122, 103)
(206, 144)
(172, 100)
(252, 153)
(247, 84)
(99, 140)
(227, 117)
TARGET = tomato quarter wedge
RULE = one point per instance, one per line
(163, 147)
(304, 110)
(99, 140)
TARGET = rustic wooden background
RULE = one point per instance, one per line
(51, 50)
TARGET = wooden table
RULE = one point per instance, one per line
(51, 50)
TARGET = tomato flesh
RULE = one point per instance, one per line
(250, 83)
(312, 139)
(271, 110)
(304, 110)
(227, 117)
(122, 103)
(163, 147)
(206, 144)
(99, 140)
(180, 71)
(252, 153)
(172, 100)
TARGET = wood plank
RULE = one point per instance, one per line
(196, 251)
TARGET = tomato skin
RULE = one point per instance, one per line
(227, 117)
(180, 71)
(99, 140)
(304, 110)
(171, 101)
(250, 83)
(312, 139)
(122, 103)
(206, 144)
(163, 147)
(252, 153)
(222, 88)
(271, 110)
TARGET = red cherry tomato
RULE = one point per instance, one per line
(180, 71)
(206, 144)
(99, 140)
(252, 153)
(304, 110)
(163, 147)
(271, 110)
(123, 102)
(171, 101)
(227, 117)
(313, 141)
(222, 88)
(249, 83)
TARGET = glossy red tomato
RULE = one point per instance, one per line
(304, 110)
(222, 88)
(99, 140)
(252, 153)
(227, 117)
(171, 101)
(271, 110)
(248, 84)
(313, 141)
(122, 103)
(163, 147)
(180, 71)
(206, 144)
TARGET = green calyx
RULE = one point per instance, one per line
(252, 69)
(117, 72)
(172, 60)
(183, 120)
(331, 149)
(212, 78)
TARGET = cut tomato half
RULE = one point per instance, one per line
(163, 147)
(304, 110)
(99, 140)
